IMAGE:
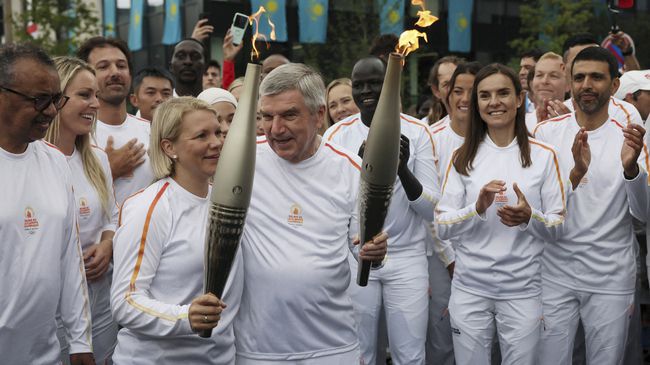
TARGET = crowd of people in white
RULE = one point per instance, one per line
(510, 235)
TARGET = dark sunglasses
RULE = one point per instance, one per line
(42, 102)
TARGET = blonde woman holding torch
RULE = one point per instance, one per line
(157, 293)
(493, 194)
(71, 132)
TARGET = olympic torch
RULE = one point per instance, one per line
(231, 192)
(380, 160)
(381, 153)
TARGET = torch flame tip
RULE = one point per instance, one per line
(408, 40)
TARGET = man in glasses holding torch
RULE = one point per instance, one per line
(301, 224)
(41, 268)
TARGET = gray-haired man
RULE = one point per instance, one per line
(301, 222)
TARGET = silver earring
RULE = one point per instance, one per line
(174, 157)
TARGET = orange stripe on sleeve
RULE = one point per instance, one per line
(451, 163)
(143, 238)
(617, 123)
(557, 167)
(138, 263)
(344, 155)
(556, 119)
(439, 129)
(83, 284)
(119, 217)
(627, 114)
(433, 145)
(647, 161)
(329, 139)
(140, 119)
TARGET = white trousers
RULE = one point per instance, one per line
(439, 344)
(104, 328)
(401, 286)
(605, 319)
(473, 322)
(346, 358)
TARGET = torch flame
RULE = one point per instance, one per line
(418, 3)
(254, 18)
(409, 40)
(272, 28)
(425, 19)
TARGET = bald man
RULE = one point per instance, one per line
(272, 62)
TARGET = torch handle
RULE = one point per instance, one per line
(364, 271)
(374, 201)
(222, 241)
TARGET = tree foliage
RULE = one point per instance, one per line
(62, 24)
(546, 24)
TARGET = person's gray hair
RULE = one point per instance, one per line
(296, 76)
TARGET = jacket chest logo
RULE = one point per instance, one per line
(295, 215)
(31, 224)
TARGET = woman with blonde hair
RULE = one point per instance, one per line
(340, 104)
(157, 294)
(93, 189)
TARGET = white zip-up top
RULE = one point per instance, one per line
(446, 142)
(90, 212)
(158, 255)
(41, 267)
(492, 259)
(406, 222)
(132, 127)
(301, 220)
(595, 252)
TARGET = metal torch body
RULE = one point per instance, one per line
(232, 189)
(380, 161)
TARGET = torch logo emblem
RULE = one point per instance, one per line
(31, 223)
(295, 215)
(84, 209)
(501, 198)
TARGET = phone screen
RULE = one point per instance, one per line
(240, 21)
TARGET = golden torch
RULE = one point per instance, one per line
(381, 153)
(380, 159)
(233, 182)
(231, 192)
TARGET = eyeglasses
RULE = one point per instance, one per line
(42, 102)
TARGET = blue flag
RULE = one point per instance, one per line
(276, 10)
(391, 16)
(71, 13)
(109, 18)
(460, 25)
(312, 15)
(172, 32)
(135, 25)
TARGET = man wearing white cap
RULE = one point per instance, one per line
(635, 89)
(223, 102)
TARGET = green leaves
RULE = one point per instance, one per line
(546, 24)
(61, 25)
